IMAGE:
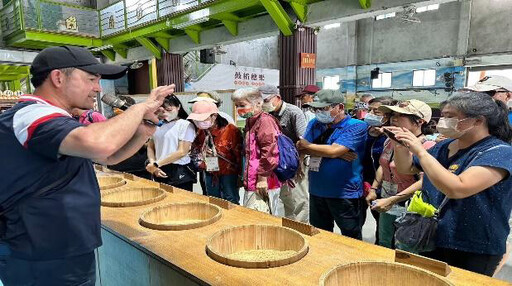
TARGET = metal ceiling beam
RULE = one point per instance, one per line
(279, 15)
(194, 34)
(165, 24)
(232, 27)
(164, 43)
(365, 4)
(148, 44)
(111, 55)
(162, 34)
(300, 7)
(53, 39)
(121, 50)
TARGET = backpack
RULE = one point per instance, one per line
(288, 159)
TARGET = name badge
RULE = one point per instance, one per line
(314, 164)
(212, 164)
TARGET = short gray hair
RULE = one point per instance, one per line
(250, 94)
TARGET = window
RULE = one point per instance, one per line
(383, 81)
(427, 8)
(332, 26)
(384, 16)
(424, 78)
(332, 82)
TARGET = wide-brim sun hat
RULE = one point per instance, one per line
(410, 107)
(203, 109)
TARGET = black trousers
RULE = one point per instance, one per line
(323, 212)
(78, 270)
(480, 263)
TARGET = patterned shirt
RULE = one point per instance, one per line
(292, 121)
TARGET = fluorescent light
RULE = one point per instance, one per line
(384, 16)
(332, 26)
(421, 9)
(433, 7)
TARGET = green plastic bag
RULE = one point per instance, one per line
(417, 205)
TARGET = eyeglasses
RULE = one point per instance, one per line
(492, 93)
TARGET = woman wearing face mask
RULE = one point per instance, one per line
(168, 149)
(472, 171)
(411, 115)
(261, 153)
(374, 146)
(218, 150)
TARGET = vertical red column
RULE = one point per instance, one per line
(295, 74)
(170, 70)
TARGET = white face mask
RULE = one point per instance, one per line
(207, 124)
(170, 115)
(448, 127)
(268, 107)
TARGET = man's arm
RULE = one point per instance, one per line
(130, 148)
(321, 150)
(104, 139)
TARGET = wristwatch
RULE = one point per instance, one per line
(156, 164)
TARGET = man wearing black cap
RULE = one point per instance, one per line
(50, 199)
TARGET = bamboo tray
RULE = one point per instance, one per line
(225, 243)
(110, 182)
(129, 197)
(382, 273)
(180, 216)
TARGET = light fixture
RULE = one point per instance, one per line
(332, 26)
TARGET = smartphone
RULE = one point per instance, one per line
(391, 136)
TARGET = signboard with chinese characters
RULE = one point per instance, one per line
(223, 76)
(249, 77)
(139, 12)
(167, 7)
(307, 61)
(112, 19)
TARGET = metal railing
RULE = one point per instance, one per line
(45, 15)
(42, 15)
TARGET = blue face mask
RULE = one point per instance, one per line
(373, 120)
(324, 116)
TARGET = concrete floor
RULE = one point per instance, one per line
(369, 236)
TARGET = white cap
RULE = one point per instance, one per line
(491, 82)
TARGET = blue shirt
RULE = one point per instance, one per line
(338, 178)
(477, 224)
(64, 221)
(510, 117)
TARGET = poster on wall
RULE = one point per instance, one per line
(223, 77)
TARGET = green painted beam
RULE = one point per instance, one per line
(111, 55)
(164, 24)
(164, 43)
(301, 10)
(279, 15)
(365, 4)
(53, 39)
(121, 50)
(227, 16)
(194, 35)
(162, 34)
(148, 44)
(232, 26)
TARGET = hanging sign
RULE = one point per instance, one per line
(307, 60)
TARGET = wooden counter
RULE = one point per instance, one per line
(183, 252)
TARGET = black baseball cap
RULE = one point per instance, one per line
(73, 57)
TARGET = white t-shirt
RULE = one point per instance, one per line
(167, 139)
